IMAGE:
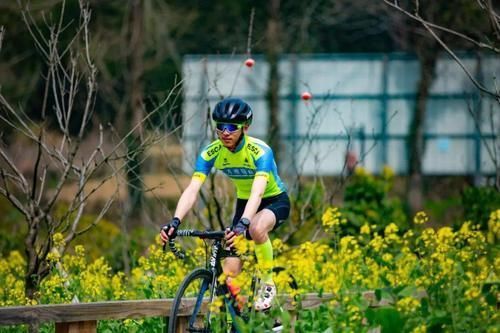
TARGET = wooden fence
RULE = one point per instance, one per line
(83, 317)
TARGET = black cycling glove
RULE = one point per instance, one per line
(241, 227)
(173, 224)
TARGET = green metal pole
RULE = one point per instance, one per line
(383, 112)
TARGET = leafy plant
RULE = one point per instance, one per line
(478, 203)
(367, 201)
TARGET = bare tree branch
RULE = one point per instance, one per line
(42, 186)
(460, 63)
(428, 26)
(37, 35)
(23, 184)
(6, 193)
(492, 16)
(35, 169)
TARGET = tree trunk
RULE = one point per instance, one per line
(135, 108)
(427, 55)
(273, 50)
(32, 260)
(31, 277)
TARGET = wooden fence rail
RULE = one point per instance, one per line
(83, 317)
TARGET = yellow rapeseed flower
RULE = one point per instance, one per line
(58, 239)
(387, 257)
(16, 263)
(377, 243)
(216, 305)
(128, 322)
(80, 250)
(420, 218)
(360, 171)
(465, 229)
(354, 313)
(53, 256)
(494, 227)
(422, 328)
(445, 235)
(331, 218)
(279, 246)
(472, 293)
(408, 305)
(118, 287)
(365, 229)
(387, 172)
(242, 245)
(392, 228)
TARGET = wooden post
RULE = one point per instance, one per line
(182, 324)
(89, 326)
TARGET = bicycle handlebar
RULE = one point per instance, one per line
(178, 253)
(217, 235)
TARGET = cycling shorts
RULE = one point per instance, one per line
(278, 204)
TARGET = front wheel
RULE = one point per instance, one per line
(192, 293)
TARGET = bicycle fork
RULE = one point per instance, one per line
(212, 266)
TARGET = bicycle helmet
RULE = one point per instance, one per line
(234, 111)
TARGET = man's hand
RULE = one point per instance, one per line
(169, 231)
(239, 228)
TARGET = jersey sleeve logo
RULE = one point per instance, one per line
(211, 151)
(254, 149)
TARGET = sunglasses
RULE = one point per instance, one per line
(221, 127)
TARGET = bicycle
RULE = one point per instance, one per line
(201, 287)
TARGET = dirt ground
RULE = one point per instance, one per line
(161, 185)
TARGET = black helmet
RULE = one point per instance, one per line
(233, 110)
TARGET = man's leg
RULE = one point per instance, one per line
(231, 266)
(261, 224)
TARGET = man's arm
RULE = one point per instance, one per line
(188, 198)
(185, 203)
(258, 187)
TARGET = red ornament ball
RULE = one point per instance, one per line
(249, 62)
(306, 96)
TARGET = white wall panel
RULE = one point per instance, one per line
(348, 96)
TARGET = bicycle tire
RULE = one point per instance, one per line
(200, 282)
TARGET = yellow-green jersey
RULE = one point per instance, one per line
(252, 157)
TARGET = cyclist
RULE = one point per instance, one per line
(262, 202)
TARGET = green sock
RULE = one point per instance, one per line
(264, 253)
